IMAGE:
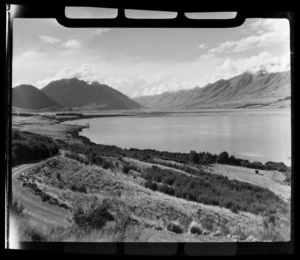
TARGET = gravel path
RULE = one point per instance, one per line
(34, 206)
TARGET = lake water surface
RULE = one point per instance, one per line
(258, 137)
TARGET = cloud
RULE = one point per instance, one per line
(49, 39)
(151, 79)
(133, 86)
(267, 31)
(85, 72)
(202, 46)
(261, 25)
(101, 31)
(73, 44)
(206, 57)
(223, 46)
(265, 60)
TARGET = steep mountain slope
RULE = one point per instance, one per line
(29, 97)
(77, 93)
(118, 95)
(245, 90)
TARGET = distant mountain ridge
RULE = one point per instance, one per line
(72, 93)
(260, 89)
(30, 97)
(77, 93)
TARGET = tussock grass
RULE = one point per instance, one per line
(95, 217)
(27, 229)
(175, 226)
(16, 208)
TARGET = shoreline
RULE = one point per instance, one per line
(86, 141)
(67, 131)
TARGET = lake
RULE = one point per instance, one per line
(256, 137)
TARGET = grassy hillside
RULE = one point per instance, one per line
(112, 204)
(115, 194)
(261, 89)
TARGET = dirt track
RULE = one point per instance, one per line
(34, 206)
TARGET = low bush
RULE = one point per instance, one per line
(45, 196)
(207, 223)
(128, 167)
(95, 217)
(79, 188)
(175, 227)
(213, 189)
(195, 228)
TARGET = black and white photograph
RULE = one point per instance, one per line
(151, 134)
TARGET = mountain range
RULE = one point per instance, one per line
(71, 93)
(260, 89)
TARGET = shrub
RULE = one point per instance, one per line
(175, 227)
(35, 235)
(195, 228)
(126, 168)
(234, 208)
(207, 223)
(223, 158)
(27, 147)
(80, 188)
(213, 190)
(269, 220)
(106, 164)
(224, 229)
(45, 196)
(94, 217)
(240, 233)
(257, 171)
(194, 157)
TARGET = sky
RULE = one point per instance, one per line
(146, 61)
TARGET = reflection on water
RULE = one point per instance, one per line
(255, 137)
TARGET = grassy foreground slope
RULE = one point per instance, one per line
(118, 197)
